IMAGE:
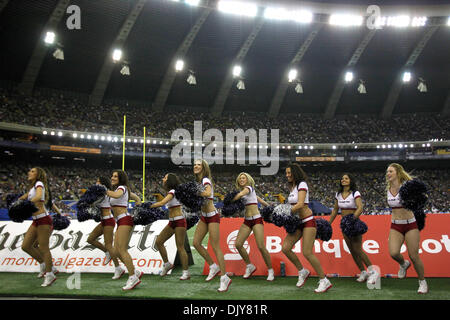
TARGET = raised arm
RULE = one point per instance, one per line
(261, 200)
(244, 192)
(163, 201)
(135, 197)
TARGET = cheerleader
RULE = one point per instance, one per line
(404, 226)
(41, 228)
(106, 228)
(177, 225)
(119, 205)
(348, 200)
(252, 222)
(209, 223)
(299, 199)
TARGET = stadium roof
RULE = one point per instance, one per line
(160, 27)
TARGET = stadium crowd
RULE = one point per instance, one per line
(68, 183)
(69, 113)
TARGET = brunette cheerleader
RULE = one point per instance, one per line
(348, 200)
(106, 228)
(41, 228)
(119, 205)
(177, 225)
(299, 199)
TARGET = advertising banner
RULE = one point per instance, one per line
(334, 255)
(71, 252)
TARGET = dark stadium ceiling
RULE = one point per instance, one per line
(162, 26)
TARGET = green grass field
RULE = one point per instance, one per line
(257, 288)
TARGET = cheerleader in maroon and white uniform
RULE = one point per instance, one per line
(348, 200)
(252, 222)
(299, 199)
(119, 205)
(177, 225)
(106, 228)
(42, 226)
(404, 227)
(209, 223)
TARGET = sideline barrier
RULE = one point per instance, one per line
(71, 252)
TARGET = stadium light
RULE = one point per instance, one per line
(240, 85)
(60, 134)
(345, 20)
(117, 55)
(238, 8)
(299, 88)
(191, 78)
(301, 16)
(422, 87)
(362, 87)
(58, 54)
(406, 76)
(52, 133)
(50, 37)
(125, 70)
(96, 137)
(193, 2)
(348, 76)
(82, 136)
(179, 65)
(419, 21)
(237, 71)
(44, 132)
(292, 75)
(74, 135)
(398, 21)
(89, 137)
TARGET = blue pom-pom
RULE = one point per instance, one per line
(60, 222)
(21, 210)
(83, 211)
(144, 214)
(414, 197)
(413, 194)
(188, 195)
(352, 227)
(11, 198)
(192, 221)
(231, 207)
(94, 194)
(267, 213)
(291, 223)
(324, 230)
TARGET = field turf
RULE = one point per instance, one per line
(93, 285)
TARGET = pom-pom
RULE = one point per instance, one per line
(191, 217)
(21, 210)
(281, 214)
(11, 198)
(60, 222)
(83, 211)
(144, 214)
(413, 194)
(188, 195)
(291, 223)
(414, 197)
(231, 207)
(324, 230)
(267, 213)
(352, 227)
(94, 194)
